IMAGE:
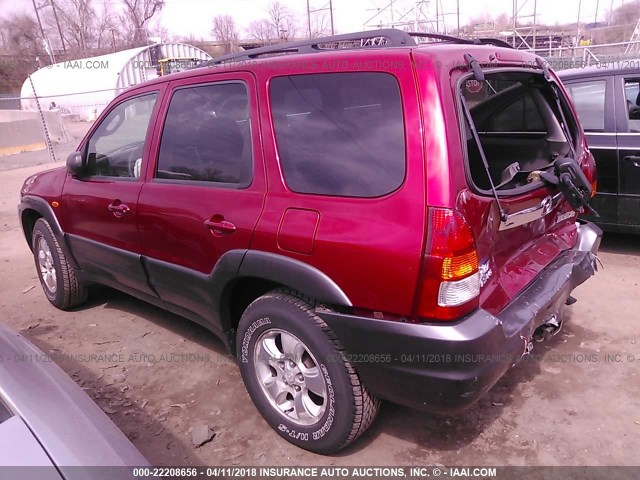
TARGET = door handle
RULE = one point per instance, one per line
(118, 209)
(635, 159)
(219, 226)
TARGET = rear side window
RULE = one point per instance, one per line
(207, 136)
(340, 134)
(589, 100)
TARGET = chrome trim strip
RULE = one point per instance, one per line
(530, 214)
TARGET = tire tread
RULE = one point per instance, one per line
(75, 293)
(365, 406)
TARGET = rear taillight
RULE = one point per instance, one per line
(450, 283)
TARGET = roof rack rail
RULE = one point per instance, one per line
(369, 39)
(467, 41)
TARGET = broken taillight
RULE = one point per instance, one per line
(450, 283)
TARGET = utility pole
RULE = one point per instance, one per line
(35, 8)
(535, 8)
(393, 20)
(55, 14)
(578, 23)
(310, 11)
(333, 30)
(45, 42)
(458, 14)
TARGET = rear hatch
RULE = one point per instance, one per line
(518, 130)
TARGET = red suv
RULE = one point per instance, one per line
(359, 217)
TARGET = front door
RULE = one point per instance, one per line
(629, 152)
(100, 207)
(205, 193)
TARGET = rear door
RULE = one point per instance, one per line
(593, 99)
(628, 127)
(205, 186)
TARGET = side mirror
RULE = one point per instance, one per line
(75, 164)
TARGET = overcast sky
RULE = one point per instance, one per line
(185, 17)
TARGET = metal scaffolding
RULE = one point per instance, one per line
(411, 15)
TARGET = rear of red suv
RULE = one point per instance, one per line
(507, 170)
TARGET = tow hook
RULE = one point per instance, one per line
(548, 329)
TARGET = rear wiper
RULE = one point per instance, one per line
(476, 137)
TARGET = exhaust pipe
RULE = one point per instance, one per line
(548, 329)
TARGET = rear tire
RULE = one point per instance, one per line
(298, 377)
(57, 277)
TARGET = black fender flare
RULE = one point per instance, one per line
(40, 205)
(294, 274)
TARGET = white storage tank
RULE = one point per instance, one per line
(86, 86)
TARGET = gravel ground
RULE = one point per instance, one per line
(555, 409)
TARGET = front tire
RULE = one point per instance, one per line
(298, 376)
(57, 277)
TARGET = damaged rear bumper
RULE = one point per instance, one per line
(446, 368)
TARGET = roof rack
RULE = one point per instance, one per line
(367, 39)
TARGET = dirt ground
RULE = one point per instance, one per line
(555, 409)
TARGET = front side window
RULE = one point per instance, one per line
(115, 148)
(589, 100)
(207, 136)
(339, 134)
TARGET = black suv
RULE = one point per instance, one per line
(608, 104)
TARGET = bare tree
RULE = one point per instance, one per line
(320, 25)
(282, 21)
(262, 31)
(224, 30)
(280, 25)
(22, 40)
(21, 35)
(620, 21)
(139, 13)
(78, 18)
(106, 28)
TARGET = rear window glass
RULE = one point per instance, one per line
(340, 133)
